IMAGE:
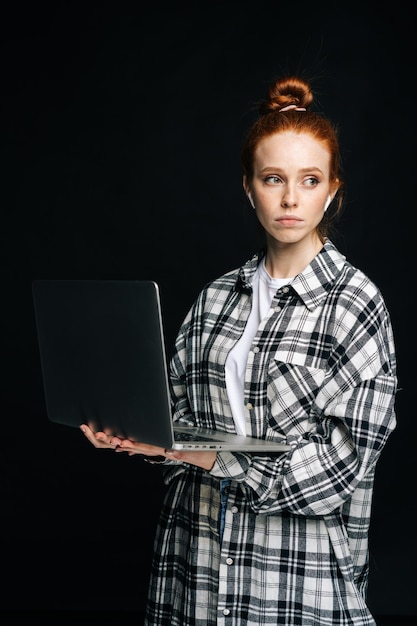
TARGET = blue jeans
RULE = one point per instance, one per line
(224, 493)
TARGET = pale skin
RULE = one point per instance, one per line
(289, 190)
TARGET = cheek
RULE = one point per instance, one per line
(263, 214)
(316, 209)
(268, 202)
(317, 217)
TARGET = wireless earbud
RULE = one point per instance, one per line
(251, 201)
(329, 199)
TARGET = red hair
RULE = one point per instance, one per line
(295, 91)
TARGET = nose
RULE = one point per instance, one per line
(289, 199)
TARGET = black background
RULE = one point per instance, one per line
(121, 131)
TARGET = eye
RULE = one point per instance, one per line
(311, 181)
(273, 179)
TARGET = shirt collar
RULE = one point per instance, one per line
(312, 284)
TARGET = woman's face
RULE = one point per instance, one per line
(290, 187)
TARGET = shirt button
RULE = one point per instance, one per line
(285, 289)
(277, 309)
(256, 349)
(234, 509)
(249, 406)
(229, 561)
(226, 611)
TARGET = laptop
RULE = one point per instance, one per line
(103, 362)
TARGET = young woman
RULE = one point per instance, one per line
(296, 343)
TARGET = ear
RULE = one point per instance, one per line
(334, 188)
(247, 190)
(245, 184)
(333, 192)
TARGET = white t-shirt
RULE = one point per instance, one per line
(264, 289)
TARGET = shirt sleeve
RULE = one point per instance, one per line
(352, 415)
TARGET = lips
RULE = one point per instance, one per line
(288, 221)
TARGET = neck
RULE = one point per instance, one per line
(289, 259)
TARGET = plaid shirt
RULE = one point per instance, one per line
(321, 373)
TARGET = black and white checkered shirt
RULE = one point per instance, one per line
(321, 372)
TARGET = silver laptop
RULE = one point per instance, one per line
(103, 362)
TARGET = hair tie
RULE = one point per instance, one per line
(293, 107)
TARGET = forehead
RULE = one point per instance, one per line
(290, 149)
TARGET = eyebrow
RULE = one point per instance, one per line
(270, 168)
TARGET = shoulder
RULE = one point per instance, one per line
(358, 290)
(234, 281)
(360, 313)
(352, 284)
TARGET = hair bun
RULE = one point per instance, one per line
(289, 93)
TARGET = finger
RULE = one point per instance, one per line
(142, 448)
(99, 440)
(90, 435)
(104, 439)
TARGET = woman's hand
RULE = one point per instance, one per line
(205, 460)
